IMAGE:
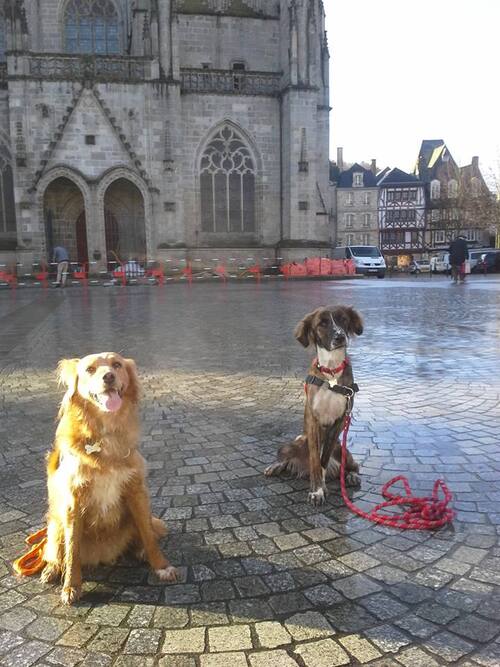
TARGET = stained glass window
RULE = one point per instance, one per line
(92, 26)
(227, 184)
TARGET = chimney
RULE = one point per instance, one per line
(475, 162)
(374, 167)
(340, 158)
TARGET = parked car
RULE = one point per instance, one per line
(488, 263)
(420, 266)
(475, 256)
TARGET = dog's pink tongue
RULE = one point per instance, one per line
(112, 401)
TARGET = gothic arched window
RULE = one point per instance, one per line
(91, 26)
(227, 184)
(7, 206)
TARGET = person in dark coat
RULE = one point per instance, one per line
(459, 252)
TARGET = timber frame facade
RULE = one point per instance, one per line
(401, 213)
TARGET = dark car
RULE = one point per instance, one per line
(488, 263)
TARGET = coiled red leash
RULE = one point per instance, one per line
(425, 513)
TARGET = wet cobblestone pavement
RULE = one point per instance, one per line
(267, 580)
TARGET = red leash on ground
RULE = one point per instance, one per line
(425, 513)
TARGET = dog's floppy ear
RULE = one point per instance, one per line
(303, 330)
(354, 321)
(133, 388)
(67, 375)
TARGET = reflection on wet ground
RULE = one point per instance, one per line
(265, 575)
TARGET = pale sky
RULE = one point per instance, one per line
(403, 71)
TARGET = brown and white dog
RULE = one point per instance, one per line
(98, 501)
(317, 453)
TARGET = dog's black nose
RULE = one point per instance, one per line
(109, 378)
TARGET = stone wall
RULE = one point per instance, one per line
(222, 40)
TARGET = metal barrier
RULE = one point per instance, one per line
(162, 272)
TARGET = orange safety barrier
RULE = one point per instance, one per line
(188, 272)
(319, 266)
(255, 270)
(221, 271)
(81, 273)
(158, 274)
(43, 276)
(8, 277)
(120, 274)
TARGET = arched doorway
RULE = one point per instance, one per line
(65, 221)
(124, 220)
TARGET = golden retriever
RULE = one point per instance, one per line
(98, 501)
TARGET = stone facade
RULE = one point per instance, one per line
(356, 207)
(183, 127)
(458, 200)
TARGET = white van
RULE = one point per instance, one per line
(440, 263)
(367, 258)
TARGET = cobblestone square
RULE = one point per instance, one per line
(266, 579)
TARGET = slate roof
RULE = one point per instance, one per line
(346, 177)
(397, 176)
(432, 154)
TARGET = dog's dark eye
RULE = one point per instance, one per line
(323, 323)
(117, 364)
(91, 370)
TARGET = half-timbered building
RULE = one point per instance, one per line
(401, 215)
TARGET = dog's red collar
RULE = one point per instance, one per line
(332, 371)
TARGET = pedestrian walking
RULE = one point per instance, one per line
(459, 252)
(61, 258)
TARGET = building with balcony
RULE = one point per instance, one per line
(136, 128)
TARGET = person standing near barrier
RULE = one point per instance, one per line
(61, 258)
(459, 252)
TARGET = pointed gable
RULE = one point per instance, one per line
(88, 123)
(346, 177)
(433, 155)
(397, 176)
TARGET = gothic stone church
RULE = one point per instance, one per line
(146, 128)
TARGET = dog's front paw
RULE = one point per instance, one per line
(50, 573)
(317, 498)
(70, 594)
(271, 470)
(167, 574)
(352, 479)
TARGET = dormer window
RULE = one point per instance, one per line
(357, 179)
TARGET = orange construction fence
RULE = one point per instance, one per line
(319, 266)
